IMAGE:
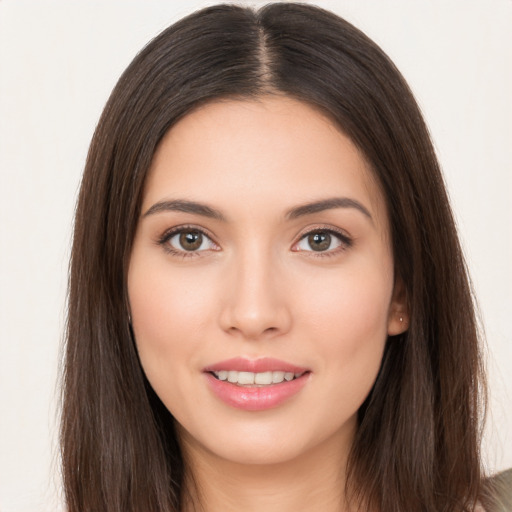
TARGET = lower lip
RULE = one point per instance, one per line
(256, 398)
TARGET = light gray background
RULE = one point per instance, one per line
(58, 64)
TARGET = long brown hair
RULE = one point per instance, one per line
(417, 444)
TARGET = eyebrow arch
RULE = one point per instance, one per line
(327, 204)
(181, 205)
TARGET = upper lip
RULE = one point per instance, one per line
(265, 364)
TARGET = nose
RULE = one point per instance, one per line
(256, 302)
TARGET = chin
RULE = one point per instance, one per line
(270, 444)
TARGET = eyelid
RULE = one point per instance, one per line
(164, 238)
(345, 239)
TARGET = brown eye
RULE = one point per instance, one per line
(323, 241)
(320, 241)
(191, 240)
(188, 240)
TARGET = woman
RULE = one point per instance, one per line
(268, 302)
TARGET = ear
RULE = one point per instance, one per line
(398, 317)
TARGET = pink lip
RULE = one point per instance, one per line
(254, 398)
(265, 364)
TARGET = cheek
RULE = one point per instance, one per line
(168, 316)
(348, 305)
(346, 317)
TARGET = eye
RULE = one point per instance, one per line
(187, 240)
(322, 240)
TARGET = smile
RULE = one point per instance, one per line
(256, 385)
(256, 379)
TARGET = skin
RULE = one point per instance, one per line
(258, 289)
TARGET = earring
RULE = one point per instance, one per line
(401, 319)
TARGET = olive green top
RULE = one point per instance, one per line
(497, 495)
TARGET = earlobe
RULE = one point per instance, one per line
(398, 323)
(398, 318)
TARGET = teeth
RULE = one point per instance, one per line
(277, 377)
(245, 378)
(223, 375)
(263, 378)
(250, 378)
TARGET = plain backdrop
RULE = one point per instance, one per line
(58, 64)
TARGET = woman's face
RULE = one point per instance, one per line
(262, 254)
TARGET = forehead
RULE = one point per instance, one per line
(270, 153)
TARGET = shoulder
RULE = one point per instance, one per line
(497, 493)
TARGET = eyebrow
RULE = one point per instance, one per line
(327, 204)
(185, 206)
(181, 205)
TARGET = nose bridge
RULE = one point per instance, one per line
(255, 304)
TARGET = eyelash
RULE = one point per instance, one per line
(167, 235)
(345, 241)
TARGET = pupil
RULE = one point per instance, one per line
(319, 241)
(191, 240)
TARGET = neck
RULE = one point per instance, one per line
(311, 482)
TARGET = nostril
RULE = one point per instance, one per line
(252, 316)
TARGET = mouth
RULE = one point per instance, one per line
(259, 379)
(256, 384)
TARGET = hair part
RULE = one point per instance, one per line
(417, 445)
